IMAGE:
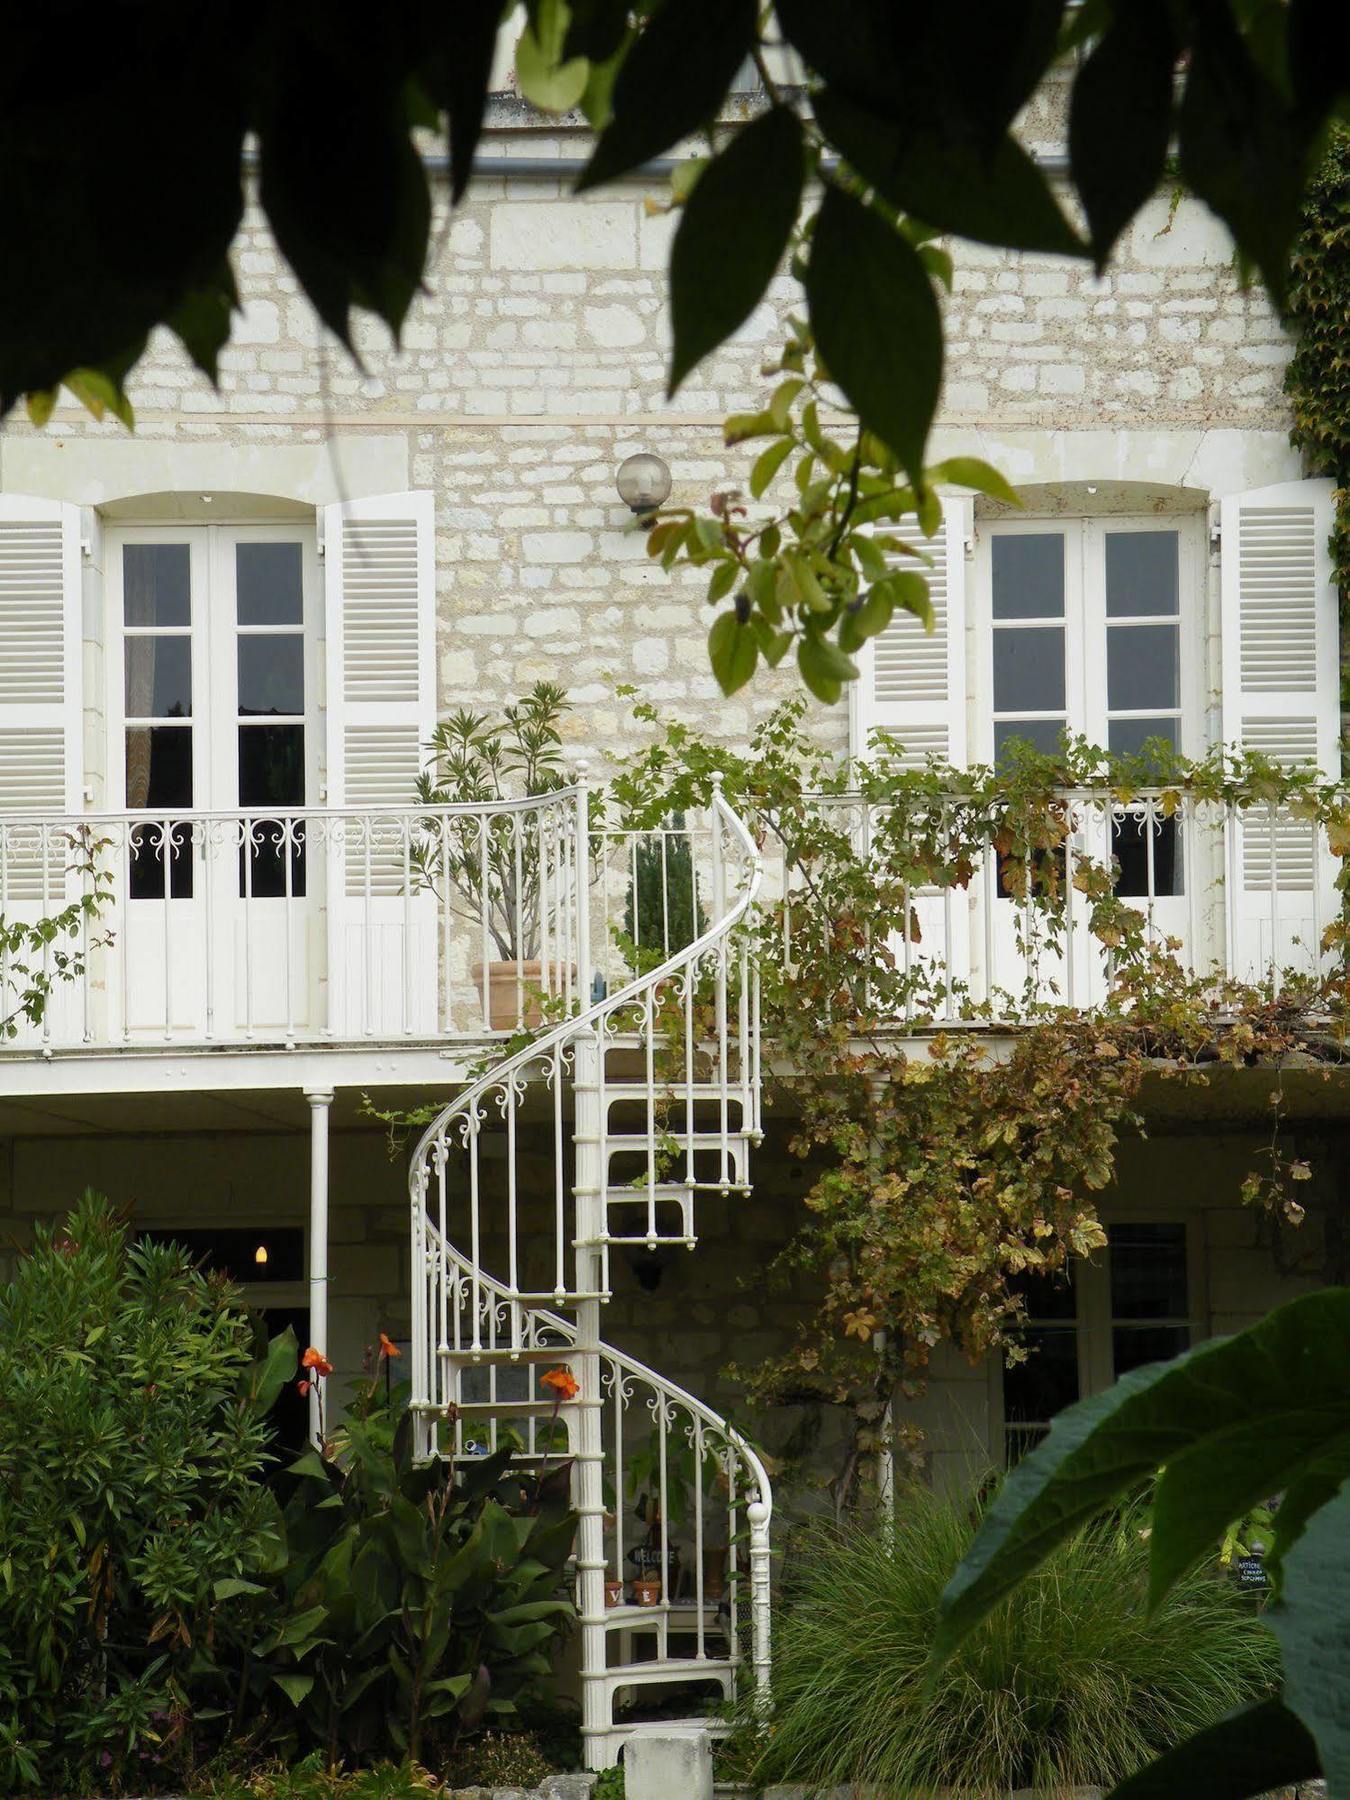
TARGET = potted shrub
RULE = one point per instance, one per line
(662, 909)
(492, 871)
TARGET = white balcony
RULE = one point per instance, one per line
(434, 926)
(327, 926)
(1234, 890)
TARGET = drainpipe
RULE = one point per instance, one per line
(320, 1099)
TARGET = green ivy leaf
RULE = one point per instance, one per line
(876, 322)
(672, 81)
(733, 651)
(732, 235)
(767, 465)
(973, 472)
(824, 667)
(723, 580)
(548, 78)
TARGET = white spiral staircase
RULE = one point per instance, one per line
(511, 1259)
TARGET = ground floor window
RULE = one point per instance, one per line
(1088, 1325)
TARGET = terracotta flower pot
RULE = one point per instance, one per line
(647, 1590)
(613, 1593)
(515, 989)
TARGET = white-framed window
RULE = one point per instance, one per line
(1093, 626)
(1136, 1302)
(213, 640)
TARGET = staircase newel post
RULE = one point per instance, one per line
(757, 1517)
(588, 1447)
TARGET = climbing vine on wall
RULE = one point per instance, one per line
(945, 1163)
(1317, 381)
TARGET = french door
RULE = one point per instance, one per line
(214, 746)
(1093, 627)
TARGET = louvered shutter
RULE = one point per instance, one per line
(1281, 689)
(912, 683)
(41, 716)
(379, 623)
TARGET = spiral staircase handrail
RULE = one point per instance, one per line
(599, 1010)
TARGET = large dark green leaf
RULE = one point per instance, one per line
(350, 207)
(916, 67)
(876, 323)
(995, 197)
(1250, 1753)
(1229, 1423)
(1312, 1621)
(1120, 118)
(1242, 148)
(457, 72)
(271, 1373)
(731, 239)
(672, 81)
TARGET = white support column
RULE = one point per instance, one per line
(320, 1099)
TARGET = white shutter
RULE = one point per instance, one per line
(1281, 688)
(912, 683)
(41, 703)
(380, 632)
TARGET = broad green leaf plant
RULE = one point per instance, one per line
(1224, 1425)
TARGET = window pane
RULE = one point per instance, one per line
(1046, 1295)
(1141, 573)
(1035, 1390)
(272, 674)
(1028, 576)
(271, 765)
(155, 584)
(1134, 1345)
(1141, 667)
(267, 580)
(1148, 1272)
(1127, 737)
(272, 773)
(158, 677)
(1029, 670)
(1129, 846)
(159, 773)
(159, 766)
(1041, 734)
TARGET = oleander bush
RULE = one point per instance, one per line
(1067, 1684)
(133, 1442)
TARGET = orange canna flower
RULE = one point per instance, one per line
(316, 1360)
(564, 1384)
(303, 1386)
(388, 1347)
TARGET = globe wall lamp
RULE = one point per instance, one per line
(643, 481)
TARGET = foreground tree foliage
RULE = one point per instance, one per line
(120, 213)
(1228, 1424)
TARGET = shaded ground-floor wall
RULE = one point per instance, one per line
(1187, 1260)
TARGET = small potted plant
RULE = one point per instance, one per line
(490, 863)
(662, 909)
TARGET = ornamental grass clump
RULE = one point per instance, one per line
(1068, 1684)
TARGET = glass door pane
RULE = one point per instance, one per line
(270, 724)
(157, 711)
